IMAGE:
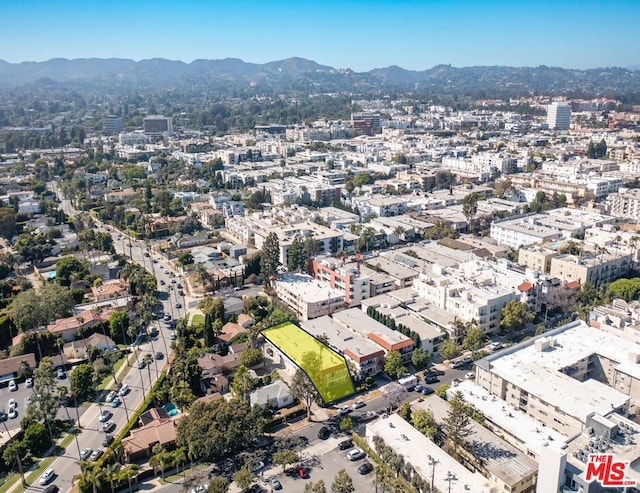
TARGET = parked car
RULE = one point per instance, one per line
(173, 336)
(355, 454)
(430, 378)
(496, 345)
(110, 396)
(12, 403)
(124, 390)
(61, 374)
(47, 476)
(358, 404)
(344, 410)
(85, 454)
(96, 454)
(427, 390)
(456, 381)
(13, 386)
(365, 468)
(108, 440)
(470, 376)
(105, 415)
(303, 473)
(258, 466)
(324, 433)
(419, 387)
(13, 413)
(178, 305)
(275, 484)
(436, 372)
(346, 444)
(167, 317)
(29, 383)
(52, 488)
(116, 402)
(108, 426)
(141, 364)
(3, 415)
(159, 355)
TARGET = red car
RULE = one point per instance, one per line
(302, 472)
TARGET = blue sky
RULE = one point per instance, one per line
(360, 35)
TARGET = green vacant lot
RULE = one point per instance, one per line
(327, 369)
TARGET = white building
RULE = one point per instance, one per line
(307, 297)
(559, 115)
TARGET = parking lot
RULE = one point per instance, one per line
(322, 460)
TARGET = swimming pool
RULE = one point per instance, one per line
(171, 409)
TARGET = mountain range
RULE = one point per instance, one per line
(303, 73)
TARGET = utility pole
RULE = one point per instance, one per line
(450, 479)
(432, 463)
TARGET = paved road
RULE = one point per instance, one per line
(138, 380)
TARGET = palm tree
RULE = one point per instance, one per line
(90, 476)
(201, 276)
(180, 457)
(129, 472)
(112, 472)
(148, 359)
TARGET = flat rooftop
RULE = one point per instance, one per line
(539, 371)
(341, 338)
(359, 322)
(416, 449)
(533, 435)
(498, 457)
(309, 289)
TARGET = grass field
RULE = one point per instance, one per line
(327, 369)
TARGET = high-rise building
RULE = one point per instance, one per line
(113, 125)
(559, 115)
(366, 123)
(158, 125)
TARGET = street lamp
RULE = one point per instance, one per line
(432, 463)
(450, 479)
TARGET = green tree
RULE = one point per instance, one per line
(218, 485)
(251, 357)
(243, 478)
(242, 383)
(30, 309)
(474, 338)
(303, 389)
(318, 487)
(269, 258)
(219, 428)
(297, 258)
(214, 307)
(405, 411)
(420, 358)
(342, 483)
(393, 365)
(424, 422)
(346, 423)
(470, 206)
(449, 349)
(457, 423)
(285, 457)
(81, 380)
(7, 222)
(118, 324)
(70, 269)
(514, 316)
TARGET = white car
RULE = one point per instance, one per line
(13, 386)
(124, 390)
(47, 476)
(29, 382)
(344, 410)
(110, 396)
(12, 403)
(13, 413)
(355, 454)
(108, 426)
(470, 376)
(358, 404)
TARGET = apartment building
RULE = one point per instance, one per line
(596, 268)
(559, 115)
(624, 203)
(157, 125)
(307, 297)
(466, 300)
(366, 357)
(536, 257)
(342, 276)
(360, 323)
(380, 205)
(564, 377)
